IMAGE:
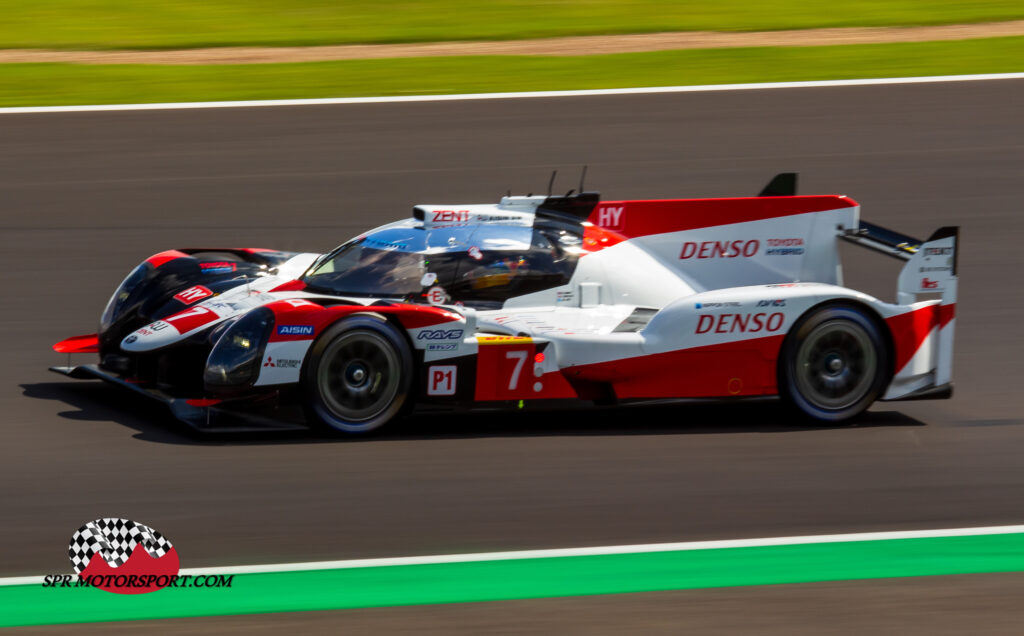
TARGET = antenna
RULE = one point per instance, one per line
(582, 177)
(551, 183)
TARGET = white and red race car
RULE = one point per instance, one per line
(537, 299)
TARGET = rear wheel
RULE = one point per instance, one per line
(358, 376)
(834, 364)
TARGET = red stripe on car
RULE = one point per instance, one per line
(910, 329)
(157, 260)
(292, 285)
(946, 314)
(89, 343)
(644, 218)
(745, 367)
(193, 318)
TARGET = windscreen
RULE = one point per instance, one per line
(370, 267)
(479, 266)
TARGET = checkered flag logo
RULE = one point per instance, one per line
(114, 540)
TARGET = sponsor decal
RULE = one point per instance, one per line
(564, 297)
(451, 346)
(720, 249)
(384, 244)
(282, 363)
(784, 247)
(494, 218)
(489, 340)
(728, 303)
(295, 330)
(938, 251)
(145, 332)
(132, 338)
(428, 279)
(927, 283)
(779, 302)
(934, 269)
(192, 294)
(611, 218)
(159, 325)
(475, 253)
(740, 323)
(217, 267)
(442, 379)
(126, 557)
(451, 216)
(440, 334)
(436, 295)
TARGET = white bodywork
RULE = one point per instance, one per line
(710, 286)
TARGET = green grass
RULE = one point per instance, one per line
(61, 84)
(113, 24)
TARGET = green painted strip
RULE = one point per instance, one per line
(525, 578)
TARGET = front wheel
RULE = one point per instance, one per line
(834, 364)
(358, 376)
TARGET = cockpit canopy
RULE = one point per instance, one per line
(476, 265)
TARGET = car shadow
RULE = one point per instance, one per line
(98, 402)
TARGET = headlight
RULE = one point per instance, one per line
(124, 291)
(235, 359)
(214, 334)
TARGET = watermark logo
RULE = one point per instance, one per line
(122, 556)
(126, 557)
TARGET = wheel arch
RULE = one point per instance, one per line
(390, 317)
(329, 326)
(330, 330)
(853, 303)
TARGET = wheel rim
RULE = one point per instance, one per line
(358, 376)
(836, 365)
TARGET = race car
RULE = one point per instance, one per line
(538, 300)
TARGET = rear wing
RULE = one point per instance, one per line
(884, 240)
(931, 264)
(931, 268)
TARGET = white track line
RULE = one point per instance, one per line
(262, 103)
(573, 552)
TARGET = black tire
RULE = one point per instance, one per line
(834, 363)
(357, 376)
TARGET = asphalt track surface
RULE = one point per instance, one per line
(85, 196)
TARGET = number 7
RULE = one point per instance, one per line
(520, 358)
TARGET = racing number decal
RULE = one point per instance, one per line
(509, 368)
(442, 379)
(520, 358)
(501, 370)
(190, 319)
